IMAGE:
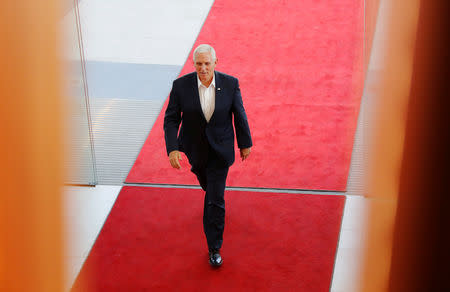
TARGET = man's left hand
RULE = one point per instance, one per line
(245, 152)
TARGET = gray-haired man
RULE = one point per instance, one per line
(204, 103)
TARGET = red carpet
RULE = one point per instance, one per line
(300, 69)
(153, 241)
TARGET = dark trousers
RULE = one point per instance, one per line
(212, 178)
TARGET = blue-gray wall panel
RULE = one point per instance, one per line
(128, 80)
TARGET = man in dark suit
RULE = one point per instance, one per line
(204, 103)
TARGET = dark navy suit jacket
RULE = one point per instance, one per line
(195, 135)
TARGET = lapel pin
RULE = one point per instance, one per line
(218, 88)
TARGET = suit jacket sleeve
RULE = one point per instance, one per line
(243, 135)
(172, 120)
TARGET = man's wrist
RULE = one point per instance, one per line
(168, 152)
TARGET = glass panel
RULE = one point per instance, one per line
(79, 149)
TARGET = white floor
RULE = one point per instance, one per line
(85, 212)
(139, 31)
(86, 209)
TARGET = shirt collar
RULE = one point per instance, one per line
(213, 83)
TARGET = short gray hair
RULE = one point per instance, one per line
(205, 48)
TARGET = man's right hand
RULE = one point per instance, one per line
(174, 158)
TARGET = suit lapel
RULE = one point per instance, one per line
(196, 95)
(218, 91)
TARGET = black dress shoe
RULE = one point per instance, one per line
(214, 258)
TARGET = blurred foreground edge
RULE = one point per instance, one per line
(31, 238)
(408, 178)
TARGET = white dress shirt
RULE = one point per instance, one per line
(207, 97)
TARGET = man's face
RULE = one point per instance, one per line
(204, 66)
